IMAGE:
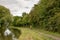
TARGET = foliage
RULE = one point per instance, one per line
(6, 20)
(45, 15)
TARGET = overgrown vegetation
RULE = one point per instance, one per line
(6, 20)
(44, 15)
(28, 34)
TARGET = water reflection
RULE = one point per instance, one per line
(11, 34)
(7, 32)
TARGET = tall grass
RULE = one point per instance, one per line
(31, 34)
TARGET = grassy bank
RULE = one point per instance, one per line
(31, 34)
(48, 32)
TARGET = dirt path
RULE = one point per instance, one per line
(51, 36)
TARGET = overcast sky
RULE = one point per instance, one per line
(17, 7)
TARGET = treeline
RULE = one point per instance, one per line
(21, 20)
(44, 15)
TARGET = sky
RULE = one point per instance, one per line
(17, 7)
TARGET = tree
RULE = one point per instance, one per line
(6, 20)
(44, 15)
(25, 19)
(17, 21)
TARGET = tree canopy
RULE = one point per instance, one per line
(45, 15)
(6, 20)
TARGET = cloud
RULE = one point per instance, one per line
(17, 7)
(7, 2)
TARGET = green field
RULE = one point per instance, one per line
(31, 34)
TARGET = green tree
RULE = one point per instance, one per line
(43, 14)
(6, 20)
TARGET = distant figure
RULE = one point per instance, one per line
(30, 27)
